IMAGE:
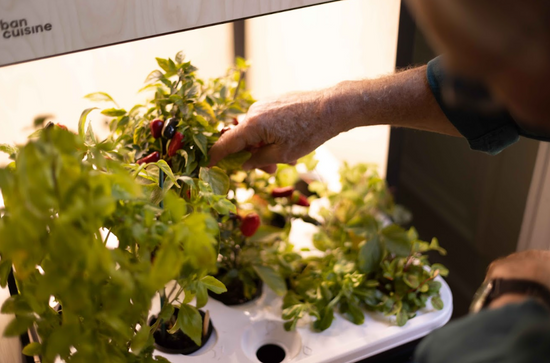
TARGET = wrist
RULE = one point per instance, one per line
(341, 106)
(508, 299)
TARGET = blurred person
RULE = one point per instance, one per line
(490, 86)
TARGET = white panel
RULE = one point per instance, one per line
(57, 85)
(10, 348)
(71, 25)
(321, 46)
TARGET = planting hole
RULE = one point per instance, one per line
(270, 353)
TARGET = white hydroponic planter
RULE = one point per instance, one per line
(240, 331)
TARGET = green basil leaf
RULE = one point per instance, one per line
(234, 161)
(141, 340)
(8, 149)
(16, 305)
(204, 109)
(213, 284)
(162, 165)
(224, 207)
(154, 76)
(100, 97)
(32, 349)
(272, 278)
(82, 122)
(396, 240)
(201, 142)
(163, 63)
(190, 323)
(370, 255)
(5, 269)
(201, 295)
(166, 312)
(114, 112)
(326, 318)
(18, 326)
(216, 178)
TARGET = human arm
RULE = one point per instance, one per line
(283, 129)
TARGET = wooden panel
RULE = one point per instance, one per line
(33, 29)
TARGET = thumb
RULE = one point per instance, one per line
(264, 157)
(229, 143)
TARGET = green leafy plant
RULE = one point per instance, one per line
(367, 262)
(60, 193)
(197, 112)
(182, 227)
(359, 248)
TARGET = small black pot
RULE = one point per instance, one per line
(235, 293)
(179, 343)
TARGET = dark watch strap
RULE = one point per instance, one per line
(517, 286)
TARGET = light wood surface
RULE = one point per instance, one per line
(79, 24)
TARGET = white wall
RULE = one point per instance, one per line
(56, 85)
(320, 46)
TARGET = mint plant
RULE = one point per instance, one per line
(368, 262)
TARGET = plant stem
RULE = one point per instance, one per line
(171, 291)
(177, 294)
(163, 293)
(107, 237)
(161, 185)
(241, 74)
(162, 302)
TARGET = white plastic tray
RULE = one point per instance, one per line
(240, 331)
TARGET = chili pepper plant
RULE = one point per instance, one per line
(170, 136)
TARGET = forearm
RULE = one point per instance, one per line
(403, 99)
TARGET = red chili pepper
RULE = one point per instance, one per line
(151, 158)
(224, 130)
(175, 144)
(62, 126)
(251, 223)
(156, 128)
(301, 200)
(282, 192)
(235, 121)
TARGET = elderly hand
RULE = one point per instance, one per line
(279, 130)
(531, 265)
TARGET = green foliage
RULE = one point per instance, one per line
(56, 203)
(367, 262)
(177, 224)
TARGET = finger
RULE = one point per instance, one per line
(229, 143)
(263, 157)
(270, 169)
